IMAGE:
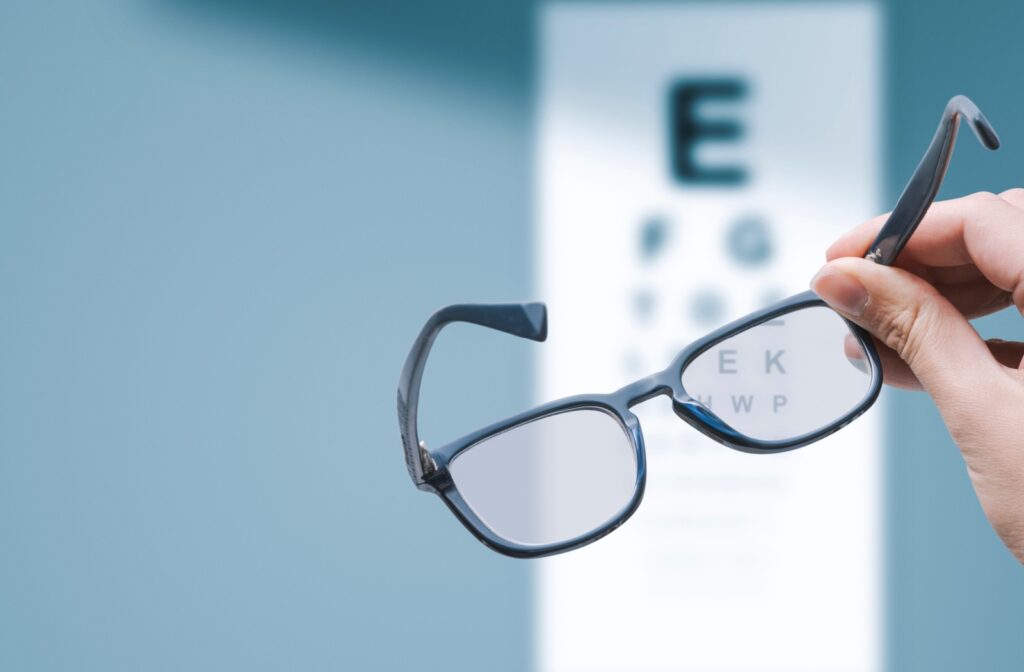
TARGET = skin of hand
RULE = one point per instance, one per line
(965, 260)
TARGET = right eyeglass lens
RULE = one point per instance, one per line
(550, 480)
(781, 379)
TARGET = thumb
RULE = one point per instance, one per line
(910, 316)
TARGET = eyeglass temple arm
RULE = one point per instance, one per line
(919, 193)
(527, 320)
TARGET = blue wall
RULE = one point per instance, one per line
(222, 222)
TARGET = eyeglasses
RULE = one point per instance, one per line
(568, 472)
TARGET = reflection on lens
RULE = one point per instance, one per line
(550, 480)
(783, 378)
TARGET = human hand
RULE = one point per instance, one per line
(965, 260)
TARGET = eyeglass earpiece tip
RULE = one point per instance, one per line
(969, 111)
(986, 134)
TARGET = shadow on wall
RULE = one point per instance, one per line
(479, 43)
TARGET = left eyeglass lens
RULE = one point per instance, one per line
(783, 378)
(550, 480)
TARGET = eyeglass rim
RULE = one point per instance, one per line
(445, 487)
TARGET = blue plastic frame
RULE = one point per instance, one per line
(429, 468)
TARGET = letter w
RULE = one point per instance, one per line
(744, 401)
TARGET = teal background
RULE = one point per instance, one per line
(221, 225)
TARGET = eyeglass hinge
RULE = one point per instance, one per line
(429, 466)
(874, 255)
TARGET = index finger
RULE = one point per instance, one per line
(982, 229)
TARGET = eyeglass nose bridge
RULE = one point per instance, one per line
(645, 389)
(689, 410)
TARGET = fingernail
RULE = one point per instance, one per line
(841, 291)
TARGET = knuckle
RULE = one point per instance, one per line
(984, 201)
(894, 328)
(1015, 192)
(902, 328)
(984, 197)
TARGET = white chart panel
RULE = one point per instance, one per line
(650, 234)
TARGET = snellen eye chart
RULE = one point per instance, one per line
(693, 164)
